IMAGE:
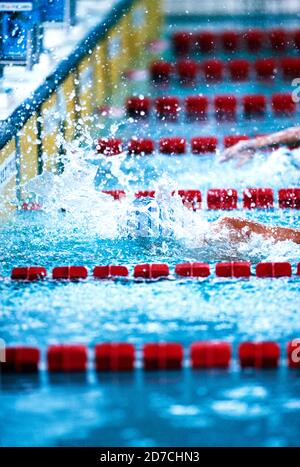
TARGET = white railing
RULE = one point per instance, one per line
(221, 7)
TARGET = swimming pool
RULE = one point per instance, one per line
(227, 407)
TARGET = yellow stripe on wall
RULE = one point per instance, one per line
(69, 94)
(86, 89)
(100, 73)
(50, 128)
(8, 178)
(28, 151)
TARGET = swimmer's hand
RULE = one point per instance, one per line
(243, 151)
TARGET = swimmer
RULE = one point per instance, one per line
(240, 230)
(245, 150)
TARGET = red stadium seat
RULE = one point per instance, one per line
(297, 39)
(182, 43)
(187, 71)
(283, 104)
(196, 107)
(254, 105)
(266, 68)
(167, 108)
(290, 67)
(160, 72)
(230, 41)
(213, 70)
(293, 354)
(205, 42)
(278, 39)
(254, 39)
(239, 69)
(138, 106)
(225, 107)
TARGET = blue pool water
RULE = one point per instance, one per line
(228, 408)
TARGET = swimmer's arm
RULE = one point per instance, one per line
(245, 150)
(241, 229)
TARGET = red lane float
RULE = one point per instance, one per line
(290, 67)
(254, 105)
(109, 147)
(230, 40)
(210, 354)
(233, 269)
(254, 39)
(145, 194)
(239, 69)
(278, 39)
(283, 269)
(167, 107)
(192, 269)
(141, 146)
(162, 356)
(116, 194)
(105, 272)
(205, 42)
(225, 107)
(231, 140)
(72, 273)
(172, 145)
(212, 70)
(138, 106)
(114, 357)
(196, 107)
(191, 199)
(151, 271)
(32, 206)
(222, 199)
(187, 71)
(283, 104)
(28, 273)
(265, 68)
(67, 358)
(259, 354)
(182, 42)
(289, 198)
(293, 354)
(204, 144)
(160, 72)
(262, 198)
(20, 359)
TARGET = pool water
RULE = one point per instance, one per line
(207, 408)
